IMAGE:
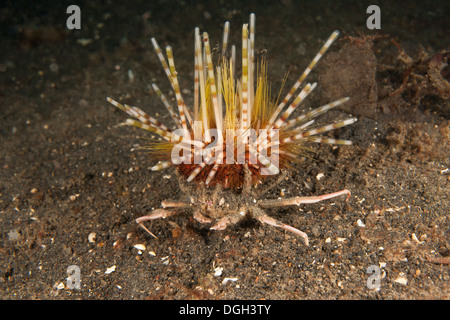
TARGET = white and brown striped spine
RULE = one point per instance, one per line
(305, 73)
(216, 89)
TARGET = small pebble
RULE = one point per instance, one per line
(84, 42)
(130, 76)
(13, 235)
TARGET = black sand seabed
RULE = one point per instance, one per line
(69, 173)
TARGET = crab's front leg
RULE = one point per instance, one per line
(201, 218)
(231, 218)
(155, 214)
(264, 218)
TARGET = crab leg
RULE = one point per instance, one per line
(155, 214)
(229, 219)
(299, 200)
(247, 179)
(201, 218)
(264, 218)
(273, 222)
(174, 204)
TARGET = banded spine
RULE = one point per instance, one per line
(242, 105)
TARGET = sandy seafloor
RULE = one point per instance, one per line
(73, 181)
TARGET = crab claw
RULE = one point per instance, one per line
(229, 219)
(221, 224)
(201, 218)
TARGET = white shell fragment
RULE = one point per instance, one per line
(140, 247)
(225, 280)
(92, 237)
(165, 260)
(110, 270)
(59, 286)
(218, 271)
(402, 279)
(414, 237)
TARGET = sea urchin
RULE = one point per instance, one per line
(234, 136)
